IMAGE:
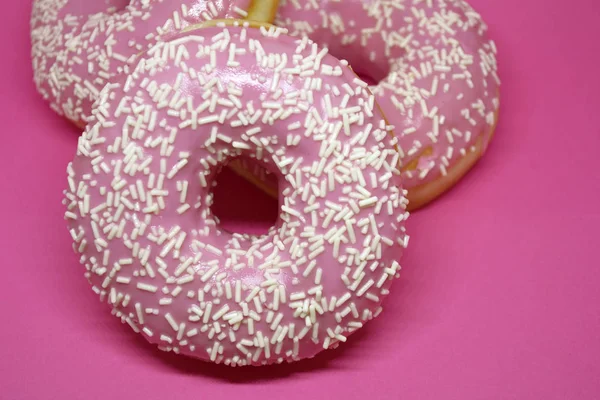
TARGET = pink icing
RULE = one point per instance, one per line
(80, 45)
(432, 65)
(139, 198)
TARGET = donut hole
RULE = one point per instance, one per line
(368, 71)
(96, 7)
(119, 5)
(369, 78)
(245, 198)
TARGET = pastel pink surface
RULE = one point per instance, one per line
(498, 296)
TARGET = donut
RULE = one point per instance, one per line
(432, 68)
(80, 45)
(138, 203)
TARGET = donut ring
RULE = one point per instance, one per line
(80, 45)
(433, 71)
(138, 202)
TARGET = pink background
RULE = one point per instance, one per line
(500, 292)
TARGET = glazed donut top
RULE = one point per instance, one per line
(432, 66)
(139, 198)
(79, 45)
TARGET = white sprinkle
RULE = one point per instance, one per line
(147, 287)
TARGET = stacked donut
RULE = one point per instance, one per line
(355, 119)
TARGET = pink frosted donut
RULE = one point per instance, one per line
(432, 68)
(139, 198)
(80, 45)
